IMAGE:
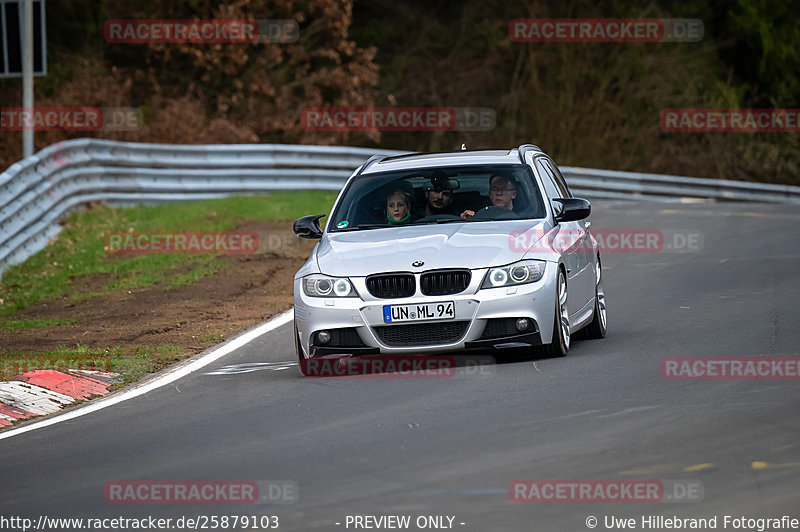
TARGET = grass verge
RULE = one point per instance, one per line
(75, 269)
(76, 265)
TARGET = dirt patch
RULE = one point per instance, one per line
(249, 290)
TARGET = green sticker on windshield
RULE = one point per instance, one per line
(342, 224)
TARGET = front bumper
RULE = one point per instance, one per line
(483, 320)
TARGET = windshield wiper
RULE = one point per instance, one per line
(359, 227)
(445, 221)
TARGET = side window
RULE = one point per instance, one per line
(551, 188)
(560, 181)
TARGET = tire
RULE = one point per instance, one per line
(599, 326)
(299, 352)
(559, 345)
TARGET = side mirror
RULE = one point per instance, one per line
(308, 226)
(574, 209)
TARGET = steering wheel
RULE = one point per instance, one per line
(492, 212)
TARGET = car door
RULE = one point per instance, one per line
(567, 237)
(585, 276)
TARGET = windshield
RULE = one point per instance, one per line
(438, 195)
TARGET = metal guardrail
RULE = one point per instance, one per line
(37, 192)
(40, 190)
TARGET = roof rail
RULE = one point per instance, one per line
(373, 159)
(524, 148)
(400, 156)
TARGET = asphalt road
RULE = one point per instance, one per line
(452, 446)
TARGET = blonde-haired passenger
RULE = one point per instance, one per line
(398, 207)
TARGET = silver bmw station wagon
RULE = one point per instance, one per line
(450, 252)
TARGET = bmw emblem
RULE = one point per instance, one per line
(417, 263)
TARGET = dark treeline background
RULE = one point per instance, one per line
(587, 104)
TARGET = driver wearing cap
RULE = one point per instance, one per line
(438, 199)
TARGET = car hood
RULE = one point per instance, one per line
(456, 245)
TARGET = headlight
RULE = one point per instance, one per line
(523, 272)
(324, 286)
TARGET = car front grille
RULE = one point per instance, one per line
(422, 333)
(444, 282)
(391, 285)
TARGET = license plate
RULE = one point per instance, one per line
(422, 312)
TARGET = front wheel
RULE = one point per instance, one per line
(598, 327)
(559, 345)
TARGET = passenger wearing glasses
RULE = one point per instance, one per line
(502, 192)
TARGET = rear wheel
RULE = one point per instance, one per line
(559, 345)
(598, 327)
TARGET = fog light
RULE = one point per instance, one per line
(323, 337)
(522, 324)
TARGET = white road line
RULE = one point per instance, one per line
(170, 375)
(249, 367)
